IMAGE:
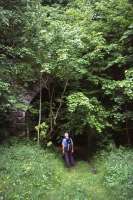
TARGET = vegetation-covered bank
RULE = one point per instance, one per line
(29, 172)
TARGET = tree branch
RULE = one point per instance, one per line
(58, 110)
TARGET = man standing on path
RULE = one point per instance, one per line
(67, 150)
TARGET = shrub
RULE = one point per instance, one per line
(118, 173)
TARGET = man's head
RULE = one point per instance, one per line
(66, 135)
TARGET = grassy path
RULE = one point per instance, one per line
(31, 173)
(81, 184)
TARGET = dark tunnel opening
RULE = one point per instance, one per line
(84, 146)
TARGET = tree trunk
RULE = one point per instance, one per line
(127, 132)
(51, 109)
(40, 111)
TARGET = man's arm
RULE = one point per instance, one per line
(63, 147)
(72, 146)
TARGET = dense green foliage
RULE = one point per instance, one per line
(77, 47)
(34, 173)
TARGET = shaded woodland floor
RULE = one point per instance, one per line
(32, 173)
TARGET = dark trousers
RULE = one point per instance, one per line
(69, 159)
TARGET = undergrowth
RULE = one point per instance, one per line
(29, 172)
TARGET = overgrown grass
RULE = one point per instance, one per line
(32, 173)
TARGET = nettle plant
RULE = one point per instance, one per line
(88, 111)
(42, 129)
